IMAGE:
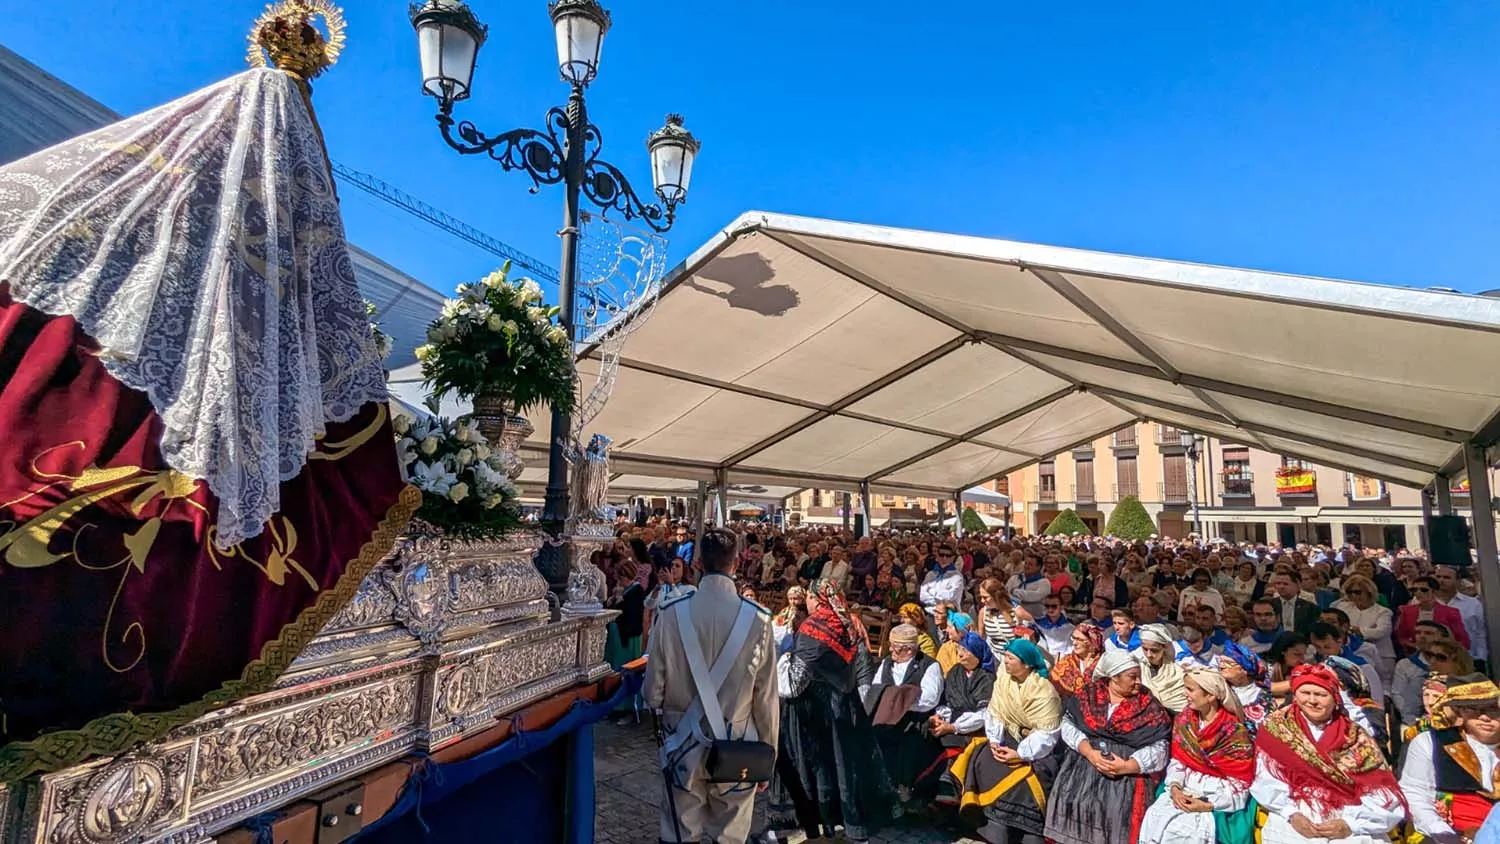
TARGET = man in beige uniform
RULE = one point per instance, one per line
(747, 694)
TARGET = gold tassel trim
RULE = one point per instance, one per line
(113, 734)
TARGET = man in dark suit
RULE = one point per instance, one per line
(1295, 613)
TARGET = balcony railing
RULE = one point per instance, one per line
(1168, 435)
(1127, 488)
(1239, 485)
(1083, 494)
(1123, 439)
(1173, 492)
(1048, 496)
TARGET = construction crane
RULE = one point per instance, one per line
(385, 192)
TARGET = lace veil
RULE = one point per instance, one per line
(200, 244)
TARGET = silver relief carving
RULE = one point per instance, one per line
(439, 642)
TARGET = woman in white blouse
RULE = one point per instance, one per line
(1213, 763)
(1370, 621)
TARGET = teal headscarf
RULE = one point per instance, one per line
(1030, 655)
(963, 621)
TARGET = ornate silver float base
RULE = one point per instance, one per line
(441, 641)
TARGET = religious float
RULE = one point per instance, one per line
(221, 621)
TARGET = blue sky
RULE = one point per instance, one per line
(1354, 140)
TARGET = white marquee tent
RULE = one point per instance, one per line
(800, 352)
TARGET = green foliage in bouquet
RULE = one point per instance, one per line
(971, 521)
(465, 491)
(1066, 524)
(497, 338)
(1130, 520)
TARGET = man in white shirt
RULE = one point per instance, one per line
(944, 583)
(1029, 587)
(903, 741)
(1411, 672)
(1470, 609)
(1457, 762)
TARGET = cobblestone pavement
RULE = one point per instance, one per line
(628, 790)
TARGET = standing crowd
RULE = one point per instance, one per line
(1087, 690)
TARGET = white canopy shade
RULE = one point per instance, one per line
(984, 495)
(807, 352)
(993, 522)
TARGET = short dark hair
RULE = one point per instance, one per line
(1438, 626)
(1324, 630)
(1263, 602)
(1284, 643)
(1426, 580)
(718, 550)
(1337, 613)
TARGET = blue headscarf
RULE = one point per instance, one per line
(961, 620)
(1028, 654)
(976, 645)
(1254, 666)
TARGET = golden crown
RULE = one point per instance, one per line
(284, 37)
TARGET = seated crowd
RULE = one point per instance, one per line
(1097, 691)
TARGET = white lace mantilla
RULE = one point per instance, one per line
(200, 244)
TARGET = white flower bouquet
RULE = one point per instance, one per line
(498, 339)
(465, 490)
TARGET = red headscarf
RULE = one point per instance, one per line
(1336, 770)
(829, 623)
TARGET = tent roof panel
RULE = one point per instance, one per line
(1048, 430)
(961, 391)
(958, 465)
(1299, 347)
(983, 295)
(843, 446)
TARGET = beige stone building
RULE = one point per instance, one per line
(1243, 493)
(824, 506)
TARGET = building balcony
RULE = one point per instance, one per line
(1166, 435)
(1239, 485)
(1082, 494)
(1172, 492)
(1127, 488)
(1123, 439)
(1047, 496)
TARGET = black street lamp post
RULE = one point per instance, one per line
(567, 153)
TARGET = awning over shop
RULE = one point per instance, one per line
(806, 352)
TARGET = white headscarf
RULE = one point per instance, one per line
(1113, 663)
(1214, 684)
(1158, 633)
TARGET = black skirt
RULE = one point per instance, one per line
(1013, 795)
(829, 743)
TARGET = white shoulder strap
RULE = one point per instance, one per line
(708, 682)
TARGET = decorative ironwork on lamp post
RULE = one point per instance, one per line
(565, 152)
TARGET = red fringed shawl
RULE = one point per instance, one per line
(1221, 748)
(1334, 772)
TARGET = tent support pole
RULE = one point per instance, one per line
(958, 513)
(1442, 488)
(848, 505)
(702, 515)
(1426, 520)
(940, 515)
(1482, 519)
(864, 507)
(721, 484)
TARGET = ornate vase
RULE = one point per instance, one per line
(502, 428)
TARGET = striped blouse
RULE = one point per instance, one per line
(998, 631)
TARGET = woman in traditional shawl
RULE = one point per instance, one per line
(1318, 775)
(1435, 715)
(1160, 672)
(788, 804)
(1074, 670)
(960, 718)
(1117, 732)
(829, 743)
(1249, 679)
(1206, 793)
(1008, 774)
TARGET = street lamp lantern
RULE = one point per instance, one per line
(673, 149)
(448, 40)
(580, 26)
(1186, 438)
